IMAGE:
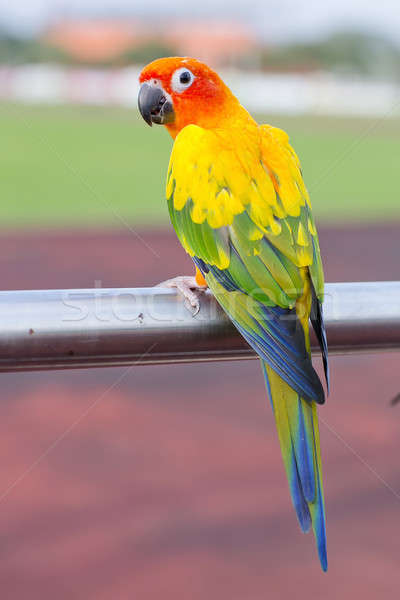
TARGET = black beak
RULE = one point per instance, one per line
(154, 105)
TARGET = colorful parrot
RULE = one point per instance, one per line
(240, 208)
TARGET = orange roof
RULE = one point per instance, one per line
(95, 40)
(211, 41)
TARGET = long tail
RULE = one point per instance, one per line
(297, 424)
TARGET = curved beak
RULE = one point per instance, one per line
(154, 105)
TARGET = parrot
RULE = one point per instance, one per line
(239, 206)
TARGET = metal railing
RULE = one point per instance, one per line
(61, 329)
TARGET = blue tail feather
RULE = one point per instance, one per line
(305, 457)
(299, 438)
(299, 501)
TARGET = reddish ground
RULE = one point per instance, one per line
(167, 482)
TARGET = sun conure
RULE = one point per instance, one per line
(240, 208)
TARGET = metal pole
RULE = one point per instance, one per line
(61, 329)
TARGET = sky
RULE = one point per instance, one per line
(275, 20)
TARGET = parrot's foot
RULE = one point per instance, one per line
(188, 287)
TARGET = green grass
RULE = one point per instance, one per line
(74, 166)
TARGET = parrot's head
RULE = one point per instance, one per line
(176, 92)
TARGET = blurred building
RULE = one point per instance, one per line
(95, 40)
(104, 41)
(214, 42)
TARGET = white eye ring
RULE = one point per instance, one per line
(182, 79)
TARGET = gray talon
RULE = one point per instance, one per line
(188, 287)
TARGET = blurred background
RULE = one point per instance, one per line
(167, 481)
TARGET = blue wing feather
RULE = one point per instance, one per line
(276, 335)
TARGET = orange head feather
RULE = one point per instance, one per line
(181, 91)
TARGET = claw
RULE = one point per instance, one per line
(188, 287)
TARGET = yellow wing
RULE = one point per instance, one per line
(256, 173)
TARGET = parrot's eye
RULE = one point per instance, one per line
(182, 79)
